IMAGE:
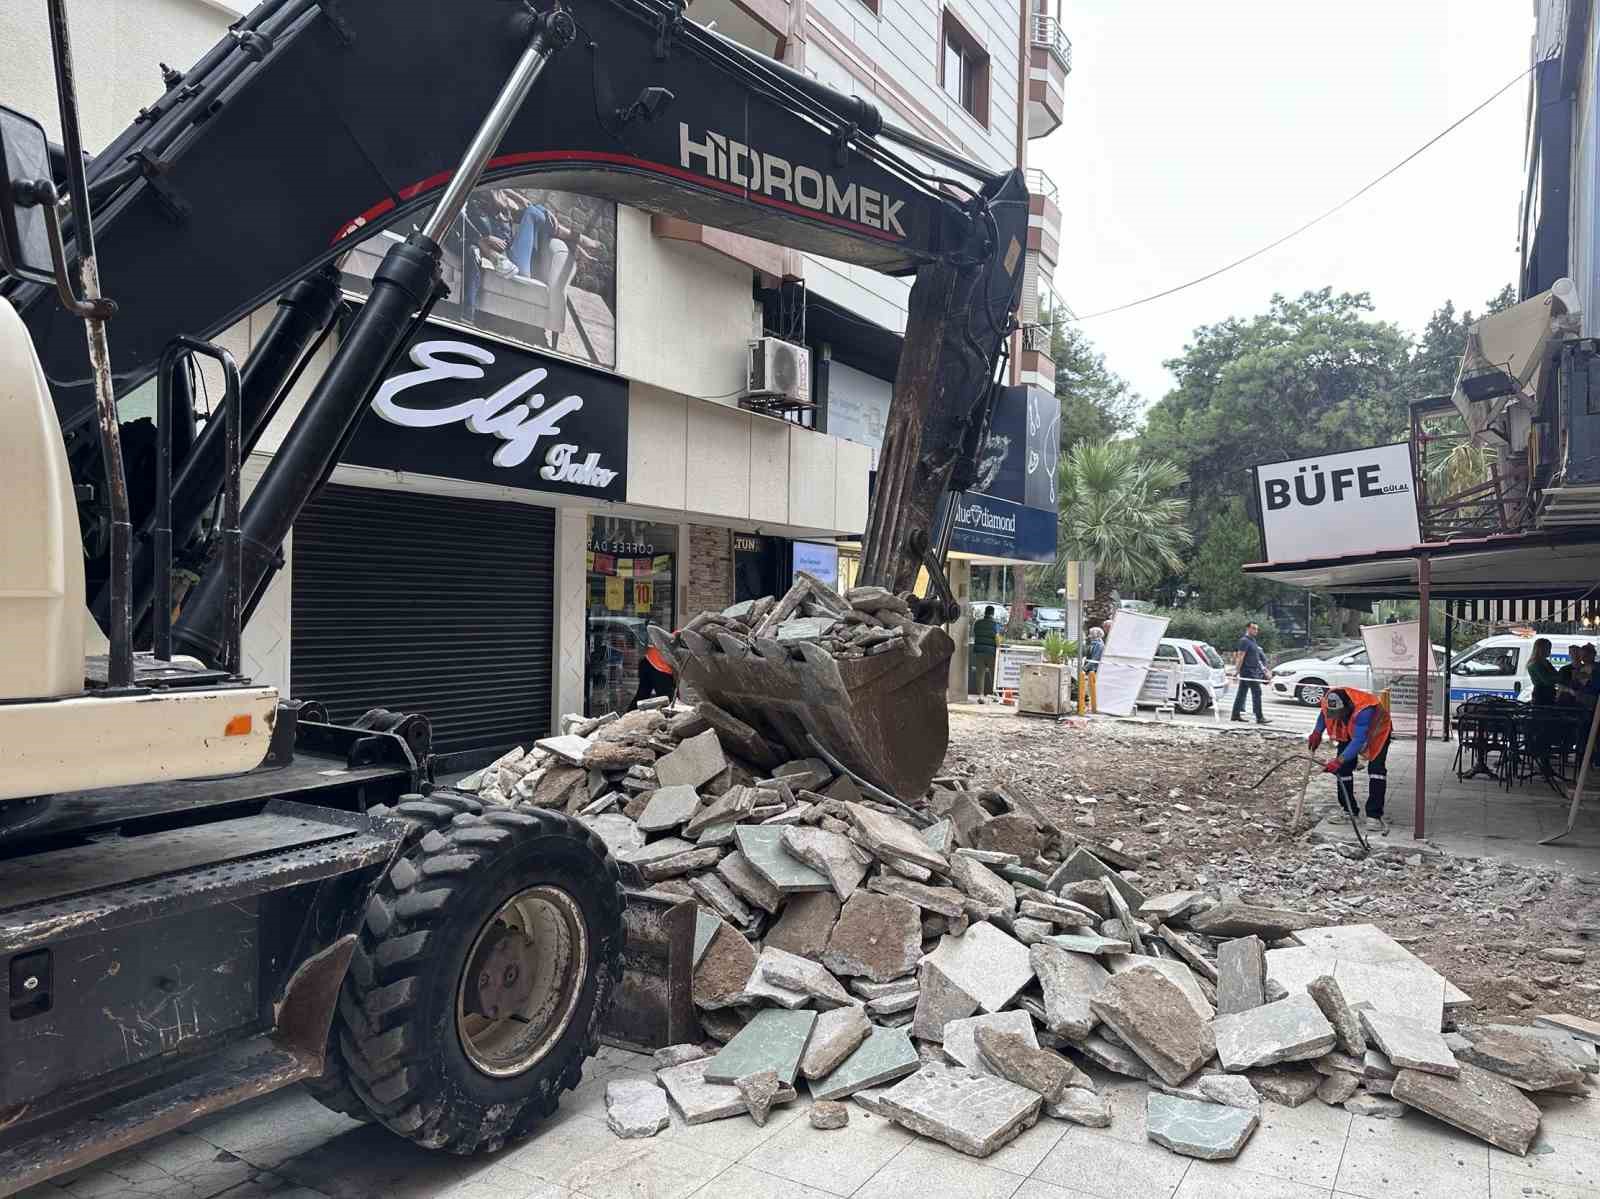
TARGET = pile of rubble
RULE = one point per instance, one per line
(862, 622)
(954, 961)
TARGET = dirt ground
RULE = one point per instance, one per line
(1186, 801)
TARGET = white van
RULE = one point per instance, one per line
(1499, 665)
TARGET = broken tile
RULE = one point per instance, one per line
(1069, 981)
(971, 1112)
(827, 1113)
(877, 936)
(1577, 1026)
(982, 884)
(835, 1036)
(569, 748)
(1237, 919)
(1232, 1089)
(1153, 1016)
(695, 762)
(1336, 1088)
(727, 808)
(705, 927)
(868, 989)
(1241, 975)
(678, 864)
(621, 835)
(1188, 952)
(1108, 1056)
(945, 901)
(1374, 1107)
(1092, 943)
(891, 1005)
(774, 1039)
(677, 1055)
(748, 884)
(758, 1091)
(1169, 905)
(1290, 1086)
(886, 1054)
(1083, 866)
(1078, 1105)
(724, 969)
(719, 897)
(1017, 1058)
(1291, 1030)
(1064, 913)
(1329, 996)
(1366, 943)
(805, 923)
(831, 854)
(892, 839)
(762, 845)
(636, 1107)
(1408, 1044)
(669, 808)
(939, 1001)
(1524, 1057)
(1476, 1102)
(940, 836)
(1209, 1131)
(986, 964)
(762, 990)
(1176, 971)
(666, 847)
(960, 1036)
(701, 1101)
(796, 973)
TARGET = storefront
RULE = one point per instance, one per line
(631, 568)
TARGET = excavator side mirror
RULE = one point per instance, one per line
(25, 188)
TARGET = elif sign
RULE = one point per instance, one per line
(463, 407)
(1354, 502)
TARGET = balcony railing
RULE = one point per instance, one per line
(1040, 184)
(1047, 32)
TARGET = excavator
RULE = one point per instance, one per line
(208, 890)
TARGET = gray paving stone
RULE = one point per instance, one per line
(960, 1036)
(1060, 913)
(877, 936)
(762, 845)
(1291, 1030)
(1369, 944)
(939, 1001)
(719, 897)
(1374, 1107)
(828, 1113)
(944, 901)
(621, 835)
(724, 969)
(1232, 1089)
(1017, 1058)
(1078, 1105)
(869, 989)
(705, 927)
(1329, 996)
(1531, 1059)
(774, 1039)
(992, 893)
(669, 808)
(701, 1101)
(1241, 975)
(1169, 905)
(832, 854)
(1154, 1018)
(891, 1005)
(1247, 919)
(1092, 943)
(695, 762)
(1188, 952)
(1070, 981)
(758, 1091)
(679, 864)
(636, 1107)
(1336, 1088)
(893, 840)
(1290, 1085)
(1109, 1056)
(728, 808)
(1176, 971)
(1082, 866)
(569, 748)
(762, 990)
(940, 836)
(836, 1035)
(748, 883)
(886, 1055)
(805, 923)
(1577, 1026)
(1476, 1102)
(973, 1113)
(1408, 1044)
(676, 1055)
(666, 847)
(989, 857)
(796, 973)
(986, 964)
(1209, 1131)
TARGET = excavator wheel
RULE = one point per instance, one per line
(484, 969)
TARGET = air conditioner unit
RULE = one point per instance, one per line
(778, 370)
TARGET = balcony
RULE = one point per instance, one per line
(1044, 218)
(1042, 311)
(1049, 64)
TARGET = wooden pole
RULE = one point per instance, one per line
(1424, 660)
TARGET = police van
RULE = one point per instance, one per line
(1498, 666)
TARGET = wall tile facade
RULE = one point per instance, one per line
(710, 573)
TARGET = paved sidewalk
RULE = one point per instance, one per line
(286, 1146)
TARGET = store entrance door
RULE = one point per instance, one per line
(758, 566)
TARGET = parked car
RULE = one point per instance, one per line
(1499, 665)
(1205, 676)
(1305, 680)
(1049, 620)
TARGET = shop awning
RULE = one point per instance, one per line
(1500, 376)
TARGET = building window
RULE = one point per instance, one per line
(964, 70)
(632, 580)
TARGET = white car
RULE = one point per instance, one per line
(1306, 680)
(1205, 677)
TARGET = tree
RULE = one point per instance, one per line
(1119, 511)
(1214, 571)
(1437, 353)
(1096, 403)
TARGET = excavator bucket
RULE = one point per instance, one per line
(882, 715)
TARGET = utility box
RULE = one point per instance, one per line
(1044, 689)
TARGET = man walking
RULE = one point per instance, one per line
(1250, 663)
(985, 644)
(1360, 727)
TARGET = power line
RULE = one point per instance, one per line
(1345, 203)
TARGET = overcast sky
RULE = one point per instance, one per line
(1196, 132)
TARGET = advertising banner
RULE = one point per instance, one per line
(1010, 661)
(1355, 502)
(1130, 650)
(1013, 515)
(1394, 646)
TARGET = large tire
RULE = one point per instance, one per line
(401, 1030)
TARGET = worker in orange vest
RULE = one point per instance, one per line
(656, 677)
(1361, 728)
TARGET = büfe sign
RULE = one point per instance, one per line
(1352, 502)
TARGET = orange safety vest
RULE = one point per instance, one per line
(658, 659)
(1344, 728)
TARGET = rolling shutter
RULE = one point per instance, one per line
(431, 604)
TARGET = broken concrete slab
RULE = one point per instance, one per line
(944, 901)
(1531, 1059)
(1070, 981)
(1374, 1107)
(828, 1113)
(621, 835)
(1018, 1058)
(884, 1056)
(1154, 1018)
(805, 923)
(1080, 1106)
(1414, 991)
(1577, 1026)
(1062, 913)
(1476, 1102)
(677, 1055)
(893, 840)
(1082, 866)
(1367, 943)
(831, 854)
(976, 880)
(1169, 905)
(727, 808)
(985, 963)
(1238, 919)
(1329, 996)
(724, 969)
(1289, 1085)
(701, 1101)
(1241, 975)
(1176, 971)
(774, 1039)
(960, 1036)
(748, 883)
(636, 1107)
(1232, 1089)
(1209, 1131)
(669, 808)
(1090, 943)
(836, 1035)
(1188, 952)
(762, 846)
(1110, 1056)
(1409, 1044)
(1291, 1030)
(796, 973)
(877, 936)
(973, 1113)
(676, 865)
(695, 762)
(939, 1001)
(719, 897)
(758, 1091)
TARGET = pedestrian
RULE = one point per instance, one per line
(985, 645)
(1096, 647)
(1250, 664)
(1542, 673)
(656, 676)
(1360, 728)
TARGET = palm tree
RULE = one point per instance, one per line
(1121, 513)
